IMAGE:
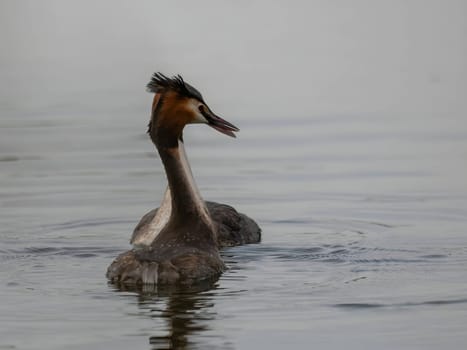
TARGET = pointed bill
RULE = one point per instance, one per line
(220, 124)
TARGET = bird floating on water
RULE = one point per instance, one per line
(178, 243)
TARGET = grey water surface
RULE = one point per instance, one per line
(352, 160)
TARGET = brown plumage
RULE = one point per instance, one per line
(233, 228)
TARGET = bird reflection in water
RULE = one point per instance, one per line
(186, 313)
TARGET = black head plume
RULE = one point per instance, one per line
(160, 83)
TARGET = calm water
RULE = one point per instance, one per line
(350, 254)
(351, 157)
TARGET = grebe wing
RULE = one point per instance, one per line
(234, 228)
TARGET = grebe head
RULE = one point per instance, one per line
(177, 104)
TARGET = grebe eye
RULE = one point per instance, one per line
(201, 108)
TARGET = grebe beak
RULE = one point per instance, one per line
(219, 124)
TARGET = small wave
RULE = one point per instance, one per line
(386, 261)
(434, 256)
(327, 253)
(359, 305)
(76, 252)
(406, 304)
(320, 222)
(9, 159)
(85, 223)
(12, 158)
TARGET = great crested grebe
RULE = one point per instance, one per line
(178, 242)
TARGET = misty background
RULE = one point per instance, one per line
(256, 59)
(400, 64)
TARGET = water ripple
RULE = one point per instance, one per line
(39, 252)
(69, 225)
(406, 304)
